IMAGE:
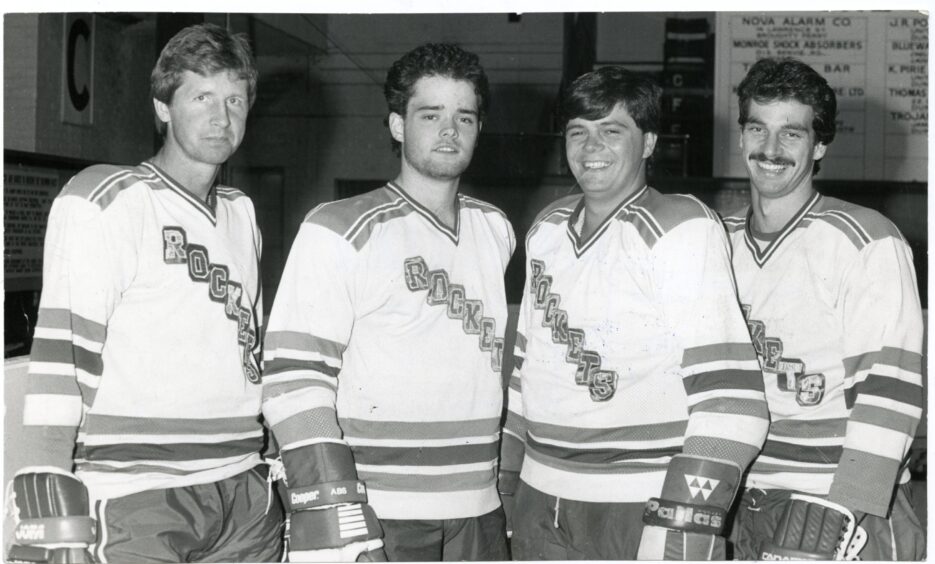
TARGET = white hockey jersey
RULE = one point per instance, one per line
(387, 333)
(145, 350)
(631, 348)
(833, 308)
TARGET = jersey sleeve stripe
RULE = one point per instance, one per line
(887, 405)
(718, 352)
(55, 384)
(515, 424)
(282, 365)
(723, 379)
(892, 356)
(298, 341)
(890, 388)
(876, 440)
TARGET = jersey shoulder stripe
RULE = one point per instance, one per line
(101, 184)
(555, 213)
(656, 214)
(473, 203)
(859, 224)
(229, 193)
(736, 221)
(355, 218)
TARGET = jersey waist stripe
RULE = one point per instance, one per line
(169, 451)
(96, 423)
(414, 430)
(600, 458)
(579, 435)
(451, 482)
(424, 456)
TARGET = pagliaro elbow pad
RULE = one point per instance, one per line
(696, 495)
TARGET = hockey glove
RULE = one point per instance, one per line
(686, 522)
(52, 518)
(329, 520)
(812, 528)
(506, 486)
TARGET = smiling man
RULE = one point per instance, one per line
(830, 296)
(144, 378)
(382, 360)
(636, 401)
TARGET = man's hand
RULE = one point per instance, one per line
(686, 521)
(344, 533)
(52, 517)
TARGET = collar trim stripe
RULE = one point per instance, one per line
(422, 210)
(184, 193)
(762, 256)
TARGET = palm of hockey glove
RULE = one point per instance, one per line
(686, 521)
(52, 517)
(811, 528)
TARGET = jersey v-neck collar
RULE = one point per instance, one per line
(208, 209)
(760, 256)
(581, 245)
(452, 234)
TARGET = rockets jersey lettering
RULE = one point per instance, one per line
(601, 384)
(833, 311)
(443, 292)
(809, 389)
(178, 250)
(147, 330)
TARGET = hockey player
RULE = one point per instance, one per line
(830, 296)
(636, 402)
(382, 358)
(143, 396)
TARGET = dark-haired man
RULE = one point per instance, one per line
(636, 402)
(143, 376)
(382, 359)
(829, 293)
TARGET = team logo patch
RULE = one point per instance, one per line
(701, 485)
(809, 389)
(601, 383)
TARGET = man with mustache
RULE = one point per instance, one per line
(382, 359)
(144, 372)
(636, 401)
(829, 292)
